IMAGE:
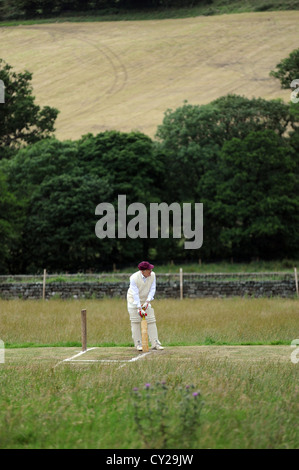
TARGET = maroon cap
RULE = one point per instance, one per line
(145, 265)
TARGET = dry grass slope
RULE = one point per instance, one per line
(124, 75)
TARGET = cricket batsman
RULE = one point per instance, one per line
(141, 292)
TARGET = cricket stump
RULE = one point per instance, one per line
(83, 329)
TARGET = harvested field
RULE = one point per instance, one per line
(124, 75)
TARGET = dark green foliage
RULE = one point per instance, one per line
(10, 212)
(256, 203)
(59, 228)
(192, 136)
(287, 70)
(240, 158)
(18, 9)
(28, 174)
(237, 156)
(21, 120)
(127, 160)
(61, 183)
(58, 10)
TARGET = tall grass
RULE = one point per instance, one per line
(180, 322)
(246, 404)
(250, 396)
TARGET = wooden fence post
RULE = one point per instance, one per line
(44, 284)
(296, 281)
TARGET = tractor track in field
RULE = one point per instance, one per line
(125, 75)
(118, 69)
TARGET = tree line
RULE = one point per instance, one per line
(30, 9)
(237, 156)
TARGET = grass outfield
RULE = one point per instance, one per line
(231, 321)
(124, 75)
(250, 396)
(247, 394)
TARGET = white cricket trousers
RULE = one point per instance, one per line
(135, 319)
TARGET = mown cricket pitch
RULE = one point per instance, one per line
(122, 355)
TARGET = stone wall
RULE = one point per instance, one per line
(169, 289)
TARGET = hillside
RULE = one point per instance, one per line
(124, 75)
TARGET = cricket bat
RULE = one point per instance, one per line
(144, 335)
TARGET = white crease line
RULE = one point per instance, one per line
(76, 355)
(101, 360)
(136, 358)
(139, 357)
(114, 360)
(70, 359)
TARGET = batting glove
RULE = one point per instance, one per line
(142, 313)
(145, 306)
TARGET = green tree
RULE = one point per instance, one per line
(36, 163)
(61, 183)
(15, 9)
(59, 232)
(132, 167)
(287, 70)
(21, 120)
(128, 160)
(192, 136)
(10, 228)
(256, 203)
(25, 173)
